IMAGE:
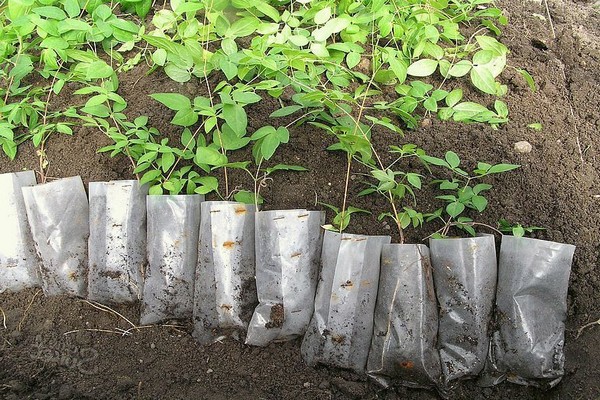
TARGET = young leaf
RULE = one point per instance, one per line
(423, 67)
(174, 101)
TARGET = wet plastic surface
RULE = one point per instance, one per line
(288, 245)
(117, 243)
(464, 274)
(58, 217)
(225, 290)
(19, 263)
(342, 325)
(533, 278)
(173, 227)
(404, 345)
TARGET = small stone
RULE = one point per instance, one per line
(523, 147)
(152, 346)
(387, 227)
(209, 371)
(324, 385)
(425, 122)
(307, 385)
(352, 177)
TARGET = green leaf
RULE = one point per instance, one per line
(50, 12)
(483, 79)
(322, 16)
(56, 43)
(99, 70)
(244, 196)
(499, 168)
(536, 126)
(452, 159)
(209, 156)
(518, 231)
(167, 161)
(155, 190)
(285, 167)
(268, 146)
(454, 97)
(185, 117)
(423, 67)
(454, 209)
(242, 27)
(150, 176)
(178, 74)
(479, 202)
(434, 161)
(207, 184)
(331, 27)
(236, 118)
(528, 78)
(414, 180)
(174, 101)
(285, 111)
(352, 59)
(461, 68)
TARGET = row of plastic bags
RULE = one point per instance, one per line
(399, 313)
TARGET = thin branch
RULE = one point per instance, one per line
(550, 19)
(109, 310)
(3, 318)
(27, 310)
(584, 327)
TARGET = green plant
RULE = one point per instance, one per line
(464, 191)
(516, 230)
(341, 219)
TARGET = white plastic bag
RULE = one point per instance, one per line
(19, 263)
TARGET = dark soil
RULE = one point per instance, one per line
(46, 351)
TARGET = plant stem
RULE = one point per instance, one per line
(347, 184)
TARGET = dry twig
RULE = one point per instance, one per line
(584, 327)
(20, 326)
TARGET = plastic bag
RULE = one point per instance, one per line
(288, 244)
(464, 275)
(173, 226)
(342, 325)
(531, 309)
(404, 345)
(117, 243)
(19, 263)
(225, 290)
(58, 217)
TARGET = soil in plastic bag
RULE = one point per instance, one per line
(117, 243)
(404, 345)
(342, 324)
(225, 289)
(58, 216)
(19, 263)
(464, 275)
(531, 309)
(288, 244)
(173, 227)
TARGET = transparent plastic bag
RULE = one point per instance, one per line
(288, 244)
(531, 310)
(225, 290)
(19, 263)
(342, 324)
(58, 216)
(117, 243)
(404, 345)
(173, 228)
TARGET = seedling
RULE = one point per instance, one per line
(463, 192)
(516, 230)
